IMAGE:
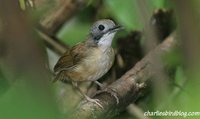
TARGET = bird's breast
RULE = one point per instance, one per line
(95, 65)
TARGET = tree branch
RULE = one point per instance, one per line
(51, 22)
(53, 44)
(128, 88)
(64, 10)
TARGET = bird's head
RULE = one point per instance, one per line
(103, 31)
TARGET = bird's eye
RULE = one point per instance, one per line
(101, 27)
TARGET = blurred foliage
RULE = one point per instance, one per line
(74, 31)
(125, 13)
(173, 58)
(4, 85)
(22, 102)
(18, 103)
(180, 75)
(22, 4)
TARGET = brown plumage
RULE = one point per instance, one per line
(90, 59)
(84, 62)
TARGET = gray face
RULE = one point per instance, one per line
(102, 27)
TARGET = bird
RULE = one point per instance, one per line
(90, 59)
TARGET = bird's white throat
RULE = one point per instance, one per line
(106, 41)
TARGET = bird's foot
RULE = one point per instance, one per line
(96, 101)
(100, 85)
(111, 92)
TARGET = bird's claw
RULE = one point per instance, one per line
(96, 101)
(115, 96)
(112, 93)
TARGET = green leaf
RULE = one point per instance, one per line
(22, 101)
(74, 31)
(158, 3)
(126, 13)
(179, 75)
(22, 4)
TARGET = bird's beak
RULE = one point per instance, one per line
(111, 30)
(115, 28)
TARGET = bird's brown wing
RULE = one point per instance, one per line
(71, 57)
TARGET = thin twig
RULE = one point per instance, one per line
(136, 111)
(53, 44)
(54, 19)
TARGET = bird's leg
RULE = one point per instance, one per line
(111, 91)
(86, 97)
(99, 84)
